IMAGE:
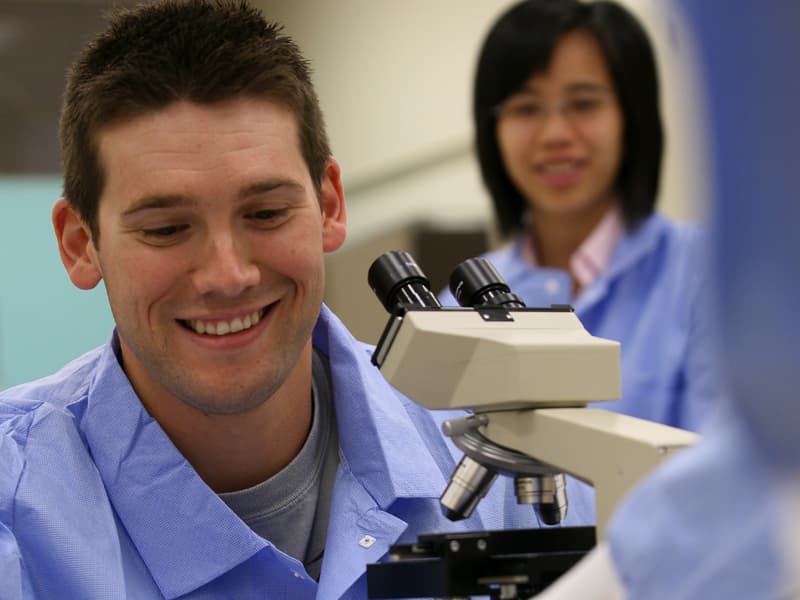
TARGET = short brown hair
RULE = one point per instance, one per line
(203, 51)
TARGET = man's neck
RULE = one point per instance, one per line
(234, 452)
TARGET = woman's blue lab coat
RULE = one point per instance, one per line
(651, 298)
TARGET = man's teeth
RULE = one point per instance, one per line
(225, 327)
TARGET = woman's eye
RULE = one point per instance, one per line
(525, 109)
(584, 105)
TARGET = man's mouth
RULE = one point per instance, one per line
(225, 327)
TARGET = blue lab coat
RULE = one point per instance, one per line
(96, 502)
(650, 298)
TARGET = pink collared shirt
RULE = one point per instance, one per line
(594, 254)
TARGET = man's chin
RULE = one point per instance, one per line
(224, 401)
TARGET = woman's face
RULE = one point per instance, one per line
(560, 136)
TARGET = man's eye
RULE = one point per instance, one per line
(164, 232)
(267, 216)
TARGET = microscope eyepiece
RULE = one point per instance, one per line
(398, 281)
(475, 282)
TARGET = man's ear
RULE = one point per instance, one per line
(75, 245)
(334, 219)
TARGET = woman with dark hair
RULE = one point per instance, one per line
(569, 141)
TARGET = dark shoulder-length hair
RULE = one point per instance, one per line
(520, 44)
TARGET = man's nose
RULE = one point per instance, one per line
(225, 267)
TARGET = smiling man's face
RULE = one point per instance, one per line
(211, 243)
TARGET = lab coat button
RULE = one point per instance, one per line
(366, 541)
(552, 286)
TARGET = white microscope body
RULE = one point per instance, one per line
(528, 376)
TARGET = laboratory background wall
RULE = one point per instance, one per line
(394, 80)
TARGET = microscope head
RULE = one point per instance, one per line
(495, 354)
(492, 354)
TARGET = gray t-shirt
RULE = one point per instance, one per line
(290, 509)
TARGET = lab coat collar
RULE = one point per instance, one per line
(149, 482)
(377, 437)
(383, 459)
(635, 245)
(359, 533)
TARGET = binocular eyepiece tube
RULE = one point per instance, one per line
(475, 282)
(397, 281)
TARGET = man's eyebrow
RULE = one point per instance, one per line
(269, 185)
(176, 200)
(155, 202)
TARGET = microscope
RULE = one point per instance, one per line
(526, 376)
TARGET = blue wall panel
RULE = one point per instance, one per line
(44, 320)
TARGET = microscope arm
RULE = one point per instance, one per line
(607, 450)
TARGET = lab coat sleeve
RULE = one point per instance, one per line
(702, 525)
(14, 581)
